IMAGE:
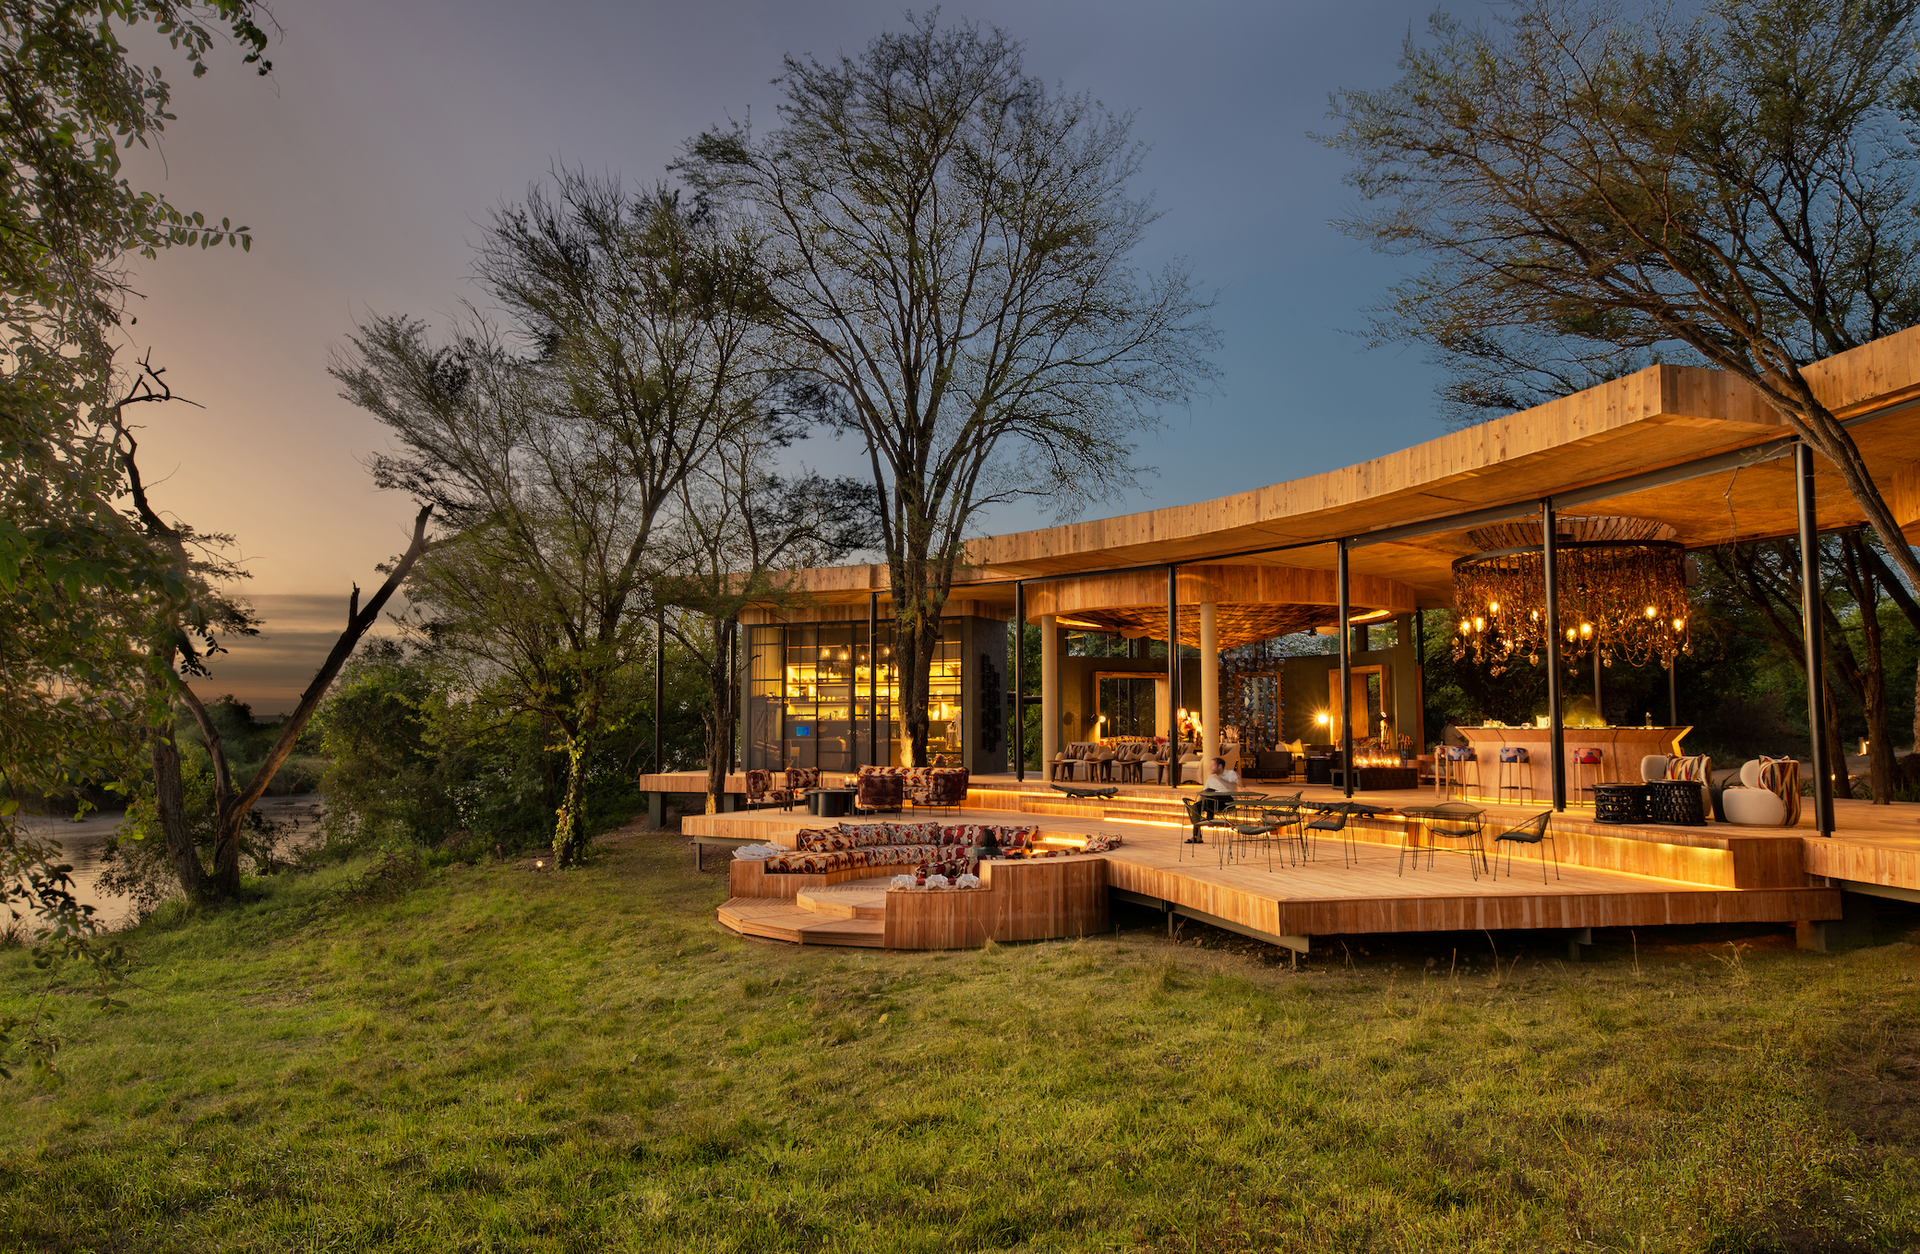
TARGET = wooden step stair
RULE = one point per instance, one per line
(777, 919)
(854, 899)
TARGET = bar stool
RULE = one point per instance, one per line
(1515, 772)
(1457, 759)
(1587, 758)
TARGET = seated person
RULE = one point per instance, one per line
(1220, 783)
(1219, 778)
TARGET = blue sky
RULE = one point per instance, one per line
(366, 163)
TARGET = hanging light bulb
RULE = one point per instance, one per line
(1493, 607)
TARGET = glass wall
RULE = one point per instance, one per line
(1128, 705)
(815, 697)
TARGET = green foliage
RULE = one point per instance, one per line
(79, 580)
(415, 760)
(504, 1059)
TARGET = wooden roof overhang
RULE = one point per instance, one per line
(1691, 447)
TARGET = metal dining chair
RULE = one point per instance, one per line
(1284, 812)
(1463, 823)
(1199, 815)
(1333, 819)
(1532, 832)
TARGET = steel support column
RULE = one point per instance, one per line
(1556, 725)
(1420, 674)
(873, 680)
(1816, 644)
(1173, 679)
(659, 693)
(1020, 681)
(1347, 770)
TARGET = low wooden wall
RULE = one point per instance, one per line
(1018, 901)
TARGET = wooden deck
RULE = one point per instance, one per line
(1608, 876)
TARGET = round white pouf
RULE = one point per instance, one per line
(1753, 807)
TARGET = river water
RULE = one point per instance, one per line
(83, 842)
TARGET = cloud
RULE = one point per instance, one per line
(271, 670)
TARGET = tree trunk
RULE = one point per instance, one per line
(720, 715)
(1836, 747)
(916, 638)
(569, 829)
(1869, 682)
(171, 803)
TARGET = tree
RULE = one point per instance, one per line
(1734, 183)
(644, 319)
(736, 527)
(75, 572)
(1766, 576)
(194, 607)
(947, 244)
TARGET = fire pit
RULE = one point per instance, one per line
(1375, 774)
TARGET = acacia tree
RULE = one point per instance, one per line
(643, 320)
(1732, 182)
(948, 249)
(737, 527)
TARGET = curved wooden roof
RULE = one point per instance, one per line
(1588, 447)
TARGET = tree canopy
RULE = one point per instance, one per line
(949, 250)
(1593, 185)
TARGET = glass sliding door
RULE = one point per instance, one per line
(766, 695)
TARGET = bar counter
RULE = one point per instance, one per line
(1621, 749)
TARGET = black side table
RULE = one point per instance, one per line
(1620, 803)
(830, 803)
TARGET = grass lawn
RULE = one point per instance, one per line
(502, 1059)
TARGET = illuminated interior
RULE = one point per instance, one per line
(816, 698)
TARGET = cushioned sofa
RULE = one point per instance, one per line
(946, 850)
(928, 786)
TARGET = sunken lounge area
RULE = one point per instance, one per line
(1380, 873)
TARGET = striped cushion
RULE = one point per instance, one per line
(1781, 776)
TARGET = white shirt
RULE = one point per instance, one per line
(1225, 781)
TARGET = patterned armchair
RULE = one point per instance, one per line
(762, 795)
(945, 788)
(801, 780)
(876, 790)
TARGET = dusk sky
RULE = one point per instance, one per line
(367, 162)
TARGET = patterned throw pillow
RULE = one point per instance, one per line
(919, 833)
(1781, 776)
(1695, 769)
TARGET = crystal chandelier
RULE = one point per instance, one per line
(1623, 593)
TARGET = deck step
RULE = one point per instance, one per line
(854, 899)
(776, 919)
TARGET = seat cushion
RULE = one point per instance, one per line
(1753, 807)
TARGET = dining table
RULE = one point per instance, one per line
(1471, 819)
